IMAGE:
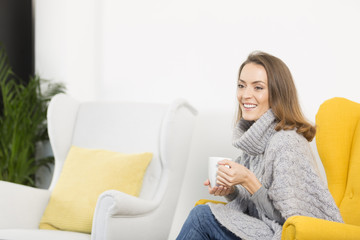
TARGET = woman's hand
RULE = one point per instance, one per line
(231, 173)
(219, 190)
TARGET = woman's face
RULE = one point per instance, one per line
(253, 93)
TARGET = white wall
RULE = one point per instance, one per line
(66, 33)
(159, 50)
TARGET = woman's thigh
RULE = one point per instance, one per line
(201, 224)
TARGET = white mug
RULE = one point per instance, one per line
(213, 168)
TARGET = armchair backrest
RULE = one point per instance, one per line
(125, 127)
(338, 144)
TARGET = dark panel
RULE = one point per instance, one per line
(16, 34)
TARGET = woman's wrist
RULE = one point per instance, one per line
(233, 194)
(251, 183)
(232, 190)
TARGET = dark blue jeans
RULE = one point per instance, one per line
(201, 224)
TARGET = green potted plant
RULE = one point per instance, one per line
(22, 123)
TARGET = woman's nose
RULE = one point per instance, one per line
(247, 93)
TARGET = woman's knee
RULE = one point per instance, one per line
(200, 213)
(201, 210)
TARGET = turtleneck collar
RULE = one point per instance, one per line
(252, 136)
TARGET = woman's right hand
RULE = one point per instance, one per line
(218, 190)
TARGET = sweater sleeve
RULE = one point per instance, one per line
(296, 188)
(262, 202)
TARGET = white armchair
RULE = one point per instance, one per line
(165, 130)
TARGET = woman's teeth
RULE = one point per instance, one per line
(250, 105)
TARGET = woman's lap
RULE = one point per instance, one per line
(201, 224)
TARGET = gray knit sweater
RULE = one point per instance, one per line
(283, 163)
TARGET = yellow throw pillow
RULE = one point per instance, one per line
(86, 174)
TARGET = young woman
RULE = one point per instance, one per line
(276, 177)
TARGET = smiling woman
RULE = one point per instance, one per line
(271, 77)
(275, 177)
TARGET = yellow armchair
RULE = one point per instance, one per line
(338, 144)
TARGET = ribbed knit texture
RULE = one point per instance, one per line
(284, 164)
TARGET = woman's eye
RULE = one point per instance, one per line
(259, 88)
(241, 86)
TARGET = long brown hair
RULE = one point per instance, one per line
(283, 98)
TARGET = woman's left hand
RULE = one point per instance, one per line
(218, 190)
(231, 173)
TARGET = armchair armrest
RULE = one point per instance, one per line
(115, 204)
(204, 201)
(307, 228)
(21, 206)
(120, 204)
